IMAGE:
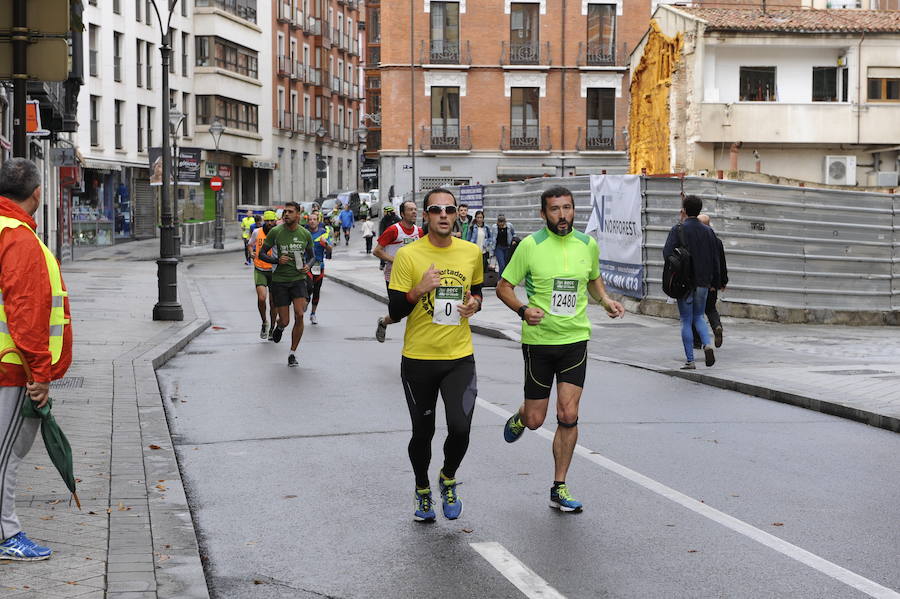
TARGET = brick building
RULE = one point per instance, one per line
(315, 97)
(504, 90)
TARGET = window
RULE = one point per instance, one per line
(139, 73)
(825, 84)
(757, 84)
(232, 113)
(93, 50)
(445, 117)
(523, 33)
(138, 4)
(117, 56)
(444, 33)
(117, 6)
(149, 65)
(214, 51)
(140, 128)
(373, 26)
(601, 35)
(149, 127)
(185, 108)
(174, 36)
(524, 117)
(95, 120)
(184, 9)
(118, 114)
(245, 9)
(148, 13)
(601, 119)
(884, 84)
(184, 54)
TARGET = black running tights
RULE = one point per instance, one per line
(456, 381)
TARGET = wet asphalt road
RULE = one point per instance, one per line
(301, 487)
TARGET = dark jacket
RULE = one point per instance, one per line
(702, 244)
(723, 266)
(386, 221)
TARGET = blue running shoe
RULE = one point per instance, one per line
(21, 548)
(424, 506)
(513, 428)
(561, 499)
(453, 505)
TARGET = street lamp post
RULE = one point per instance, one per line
(167, 306)
(216, 129)
(320, 136)
(362, 133)
(176, 117)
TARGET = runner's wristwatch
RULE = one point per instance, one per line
(521, 311)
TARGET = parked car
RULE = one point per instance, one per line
(350, 198)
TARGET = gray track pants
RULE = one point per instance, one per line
(16, 437)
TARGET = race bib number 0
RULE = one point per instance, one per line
(446, 299)
(564, 298)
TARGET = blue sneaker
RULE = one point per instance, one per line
(561, 499)
(424, 506)
(21, 548)
(513, 428)
(453, 505)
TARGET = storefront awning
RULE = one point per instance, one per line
(101, 165)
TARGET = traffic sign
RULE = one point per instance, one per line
(215, 183)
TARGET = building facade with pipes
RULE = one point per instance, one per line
(498, 90)
(812, 95)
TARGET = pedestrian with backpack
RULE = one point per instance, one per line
(691, 267)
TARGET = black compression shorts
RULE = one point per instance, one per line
(568, 363)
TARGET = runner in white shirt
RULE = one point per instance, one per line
(394, 238)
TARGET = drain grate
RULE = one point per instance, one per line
(862, 371)
(68, 382)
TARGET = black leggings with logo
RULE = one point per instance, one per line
(456, 381)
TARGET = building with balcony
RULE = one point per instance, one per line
(503, 90)
(804, 94)
(315, 95)
(371, 116)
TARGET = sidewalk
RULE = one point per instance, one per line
(134, 538)
(851, 372)
(146, 250)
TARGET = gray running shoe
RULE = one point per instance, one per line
(264, 332)
(381, 331)
(689, 366)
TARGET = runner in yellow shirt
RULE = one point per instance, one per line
(436, 282)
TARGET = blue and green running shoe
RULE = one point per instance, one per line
(21, 548)
(561, 499)
(424, 506)
(453, 505)
(513, 429)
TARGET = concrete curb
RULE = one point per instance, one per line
(810, 403)
(160, 523)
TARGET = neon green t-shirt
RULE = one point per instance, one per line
(556, 271)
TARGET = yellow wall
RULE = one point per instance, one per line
(648, 128)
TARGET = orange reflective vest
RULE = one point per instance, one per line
(261, 264)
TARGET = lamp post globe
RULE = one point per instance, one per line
(216, 129)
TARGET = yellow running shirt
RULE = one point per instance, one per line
(461, 267)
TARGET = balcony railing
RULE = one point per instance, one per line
(314, 126)
(93, 63)
(117, 68)
(596, 137)
(118, 133)
(532, 138)
(337, 37)
(298, 20)
(284, 12)
(285, 121)
(297, 70)
(596, 55)
(326, 33)
(284, 66)
(445, 52)
(95, 132)
(299, 123)
(354, 92)
(446, 137)
(354, 45)
(314, 76)
(247, 13)
(345, 132)
(313, 26)
(525, 53)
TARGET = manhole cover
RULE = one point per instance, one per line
(68, 382)
(861, 371)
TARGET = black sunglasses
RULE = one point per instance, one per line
(435, 209)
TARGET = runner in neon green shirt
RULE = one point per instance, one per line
(559, 266)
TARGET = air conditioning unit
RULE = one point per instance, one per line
(840, 170)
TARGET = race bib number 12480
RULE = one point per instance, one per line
(565, 297)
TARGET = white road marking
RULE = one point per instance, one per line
(869, 587)
(523, 577)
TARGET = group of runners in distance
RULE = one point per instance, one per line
(434, 280)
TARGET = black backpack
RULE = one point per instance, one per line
(678, 271)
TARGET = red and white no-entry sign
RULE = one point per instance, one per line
(215, 183)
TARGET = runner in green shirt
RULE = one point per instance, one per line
(560, 266)
(293, 252)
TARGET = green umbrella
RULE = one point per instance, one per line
(55, 441)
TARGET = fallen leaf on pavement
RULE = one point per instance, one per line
(154, 446)
(38, 467)
(252, 542)
(777, 523)
(468, 530)
(161, 487)
(55, 501)
(692, 551)
(218, 328)
(47, 517)
(161, 557)
(71, 582)
(290, 496)
(524, 473)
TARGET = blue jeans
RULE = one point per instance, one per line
(501, 253)
(691, 310)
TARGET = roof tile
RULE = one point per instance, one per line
(797, 20)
